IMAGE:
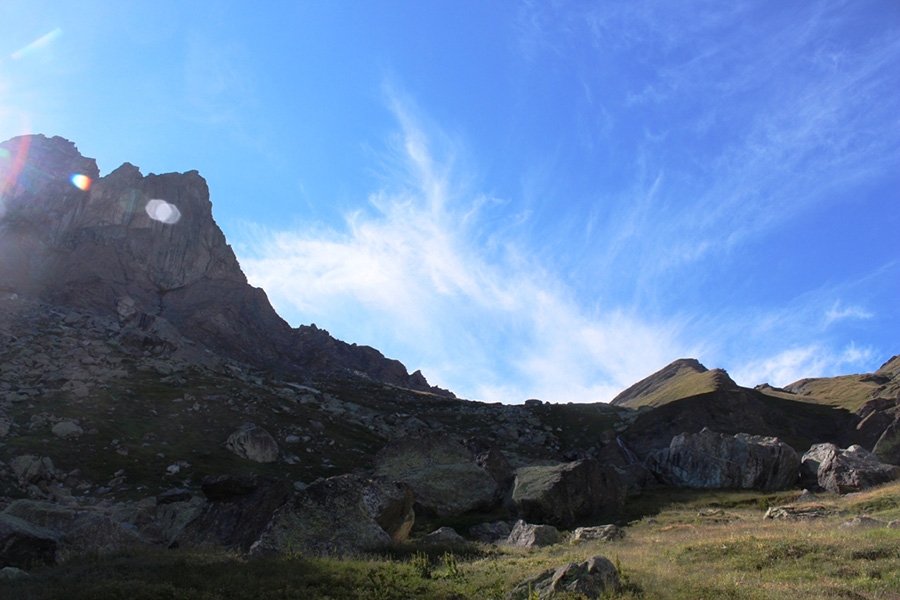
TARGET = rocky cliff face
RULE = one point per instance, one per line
(147, 248)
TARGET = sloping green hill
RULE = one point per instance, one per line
(851, 391)
(683, 378)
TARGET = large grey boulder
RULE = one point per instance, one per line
(590, 579)
(239, 509)
(887, 448)
(564, 494)
(80, 529)
(528, 535)
(441, 471)
(23, 544)
(843, 471)
(715, 460)
(253, 443)
(340, 515)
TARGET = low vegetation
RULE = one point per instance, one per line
(689, 545)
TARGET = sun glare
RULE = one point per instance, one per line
(162, 211)
(82, 182)
(36, 45)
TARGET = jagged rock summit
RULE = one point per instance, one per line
(146, 250)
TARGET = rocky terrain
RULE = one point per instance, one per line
(149, 396)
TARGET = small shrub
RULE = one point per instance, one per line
(421, 564)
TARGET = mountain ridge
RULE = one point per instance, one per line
(101, 249)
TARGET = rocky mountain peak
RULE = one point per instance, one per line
(147, 247)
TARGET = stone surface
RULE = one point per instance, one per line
(564, 494)
(67, 430)
(13, 573)
(490, 533)
(441, 471)
(714, 460)
(600, 533)
(23, 544)
(80, 528)
(528, 535)
(253, 443)
(590, 579)
(110, 250)
(843, 471)
(340, 515)
(863, 522)
(239, 509)
(444, 536)
(798, 512)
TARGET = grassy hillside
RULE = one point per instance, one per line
(691, 545)
(681, 379)
(851, 391)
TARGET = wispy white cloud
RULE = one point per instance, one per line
(793, 364)
(482, 317)
(839, 313)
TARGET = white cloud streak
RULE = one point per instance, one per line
(797, 363)
(485, 319)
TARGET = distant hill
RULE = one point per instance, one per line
(851, 391)
(683, 378)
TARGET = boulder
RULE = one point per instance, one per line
(13, 573)
(30, 469)
(715, 460)
(590, 579)
(843, 471)
(600, 533)
(239, 508)
(444, 536)
(564, 494)
(23, 544)
(80, 529)
(442, 472)
(67, 430)
(253, 443)
(887, 448)
(490, 533)
(340, 515)
(527, 535)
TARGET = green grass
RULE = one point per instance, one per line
(699, 545)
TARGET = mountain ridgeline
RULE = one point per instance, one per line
(100, 249)
(149, 396)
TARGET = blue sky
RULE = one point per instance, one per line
(522, 199)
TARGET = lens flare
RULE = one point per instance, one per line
(162, 211)
(36, 45)
(82, 182)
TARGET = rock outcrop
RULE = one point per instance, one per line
(146, 250)
(715, 460)
(442, 472)
(565, 494)
(253, 443)
(599, 533)
(81, 529)
(589, 579)
(238, 510)
(530, 535)
(741, 410)
(24, 545)
(340, 515)
(843, 471)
